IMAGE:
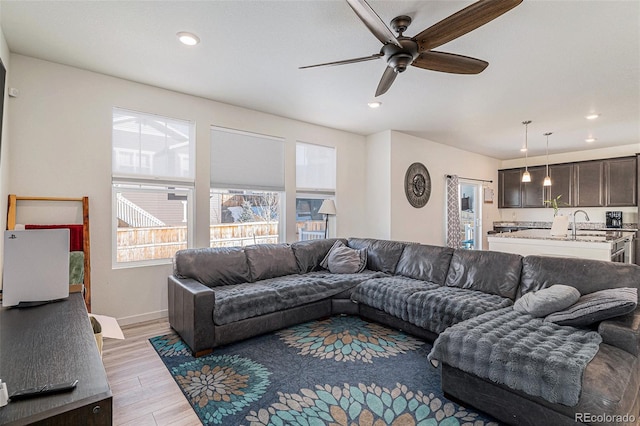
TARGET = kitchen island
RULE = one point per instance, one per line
(589, 244)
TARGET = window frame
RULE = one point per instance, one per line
(312, 193)
(146, 183)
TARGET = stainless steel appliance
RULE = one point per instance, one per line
(614, 219)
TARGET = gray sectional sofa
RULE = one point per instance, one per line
(218, 296)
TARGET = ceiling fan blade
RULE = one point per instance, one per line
(386, 81)
(449, 62)
(373, 22)
(346, 61)
(462, 22)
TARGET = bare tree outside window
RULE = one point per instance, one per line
(239, 218)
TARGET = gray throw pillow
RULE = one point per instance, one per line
(547, 301)
(597, 306)
(344, 260)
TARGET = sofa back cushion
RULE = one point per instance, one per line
(487, 271)
(270, 261)
(586, 275)
(382, 255)
(310, 253)
(212, 266)
(424, 262)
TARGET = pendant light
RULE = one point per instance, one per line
(526, 176)
(547, 178)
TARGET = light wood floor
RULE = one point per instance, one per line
(144, 393)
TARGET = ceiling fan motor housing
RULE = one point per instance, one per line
(400, 58)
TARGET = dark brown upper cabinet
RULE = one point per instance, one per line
(620, 182)
(610, 182)
(532, 192)
(589, 178)
(561, 184)
(509, 192)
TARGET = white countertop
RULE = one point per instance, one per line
(589, 235)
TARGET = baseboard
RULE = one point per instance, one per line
(149, 316)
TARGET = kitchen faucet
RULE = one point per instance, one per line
(573, 228)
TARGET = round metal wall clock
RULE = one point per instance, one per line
(417, 185)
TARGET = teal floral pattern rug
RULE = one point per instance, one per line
(338, 371)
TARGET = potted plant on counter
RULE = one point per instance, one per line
(555, 203)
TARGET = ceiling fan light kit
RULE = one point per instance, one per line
(400, 51)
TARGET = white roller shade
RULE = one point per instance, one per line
(241, 160)
(315, 168)
(146, 145)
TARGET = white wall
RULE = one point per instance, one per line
(378, 189)
(596, 214)
(389, 155)
(4, 148)
(60, 140)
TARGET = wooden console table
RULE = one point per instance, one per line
(53, 343)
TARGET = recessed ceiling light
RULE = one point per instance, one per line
(592, 116)
(589, 140)
(188, 38)
(375, 104)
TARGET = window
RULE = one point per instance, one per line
(152, 181)
(240, 218)
(247, 180)
(315, 182)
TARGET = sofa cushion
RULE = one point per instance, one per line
(442, 307)
(542, 271)
(382, 255)
(597, 306)
(248, 300)
(310, 253)
(270, 261)
(212, 266)
(354, 279)
(424, 262)
(389, 294)
(547, 301)
(344, 260)
(622, 332)
(488, 271)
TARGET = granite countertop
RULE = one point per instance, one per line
(592, 236)
(595, 226)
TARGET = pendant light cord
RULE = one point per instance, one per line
(526, 176)
(547, 135)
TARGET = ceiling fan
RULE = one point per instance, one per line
(401, 51)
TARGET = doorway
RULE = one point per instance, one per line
(470, 214)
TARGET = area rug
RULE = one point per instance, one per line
(338, 371)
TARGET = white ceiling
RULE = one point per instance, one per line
(551, 62)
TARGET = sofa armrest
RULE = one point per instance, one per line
(191, 313)
(622, 332)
